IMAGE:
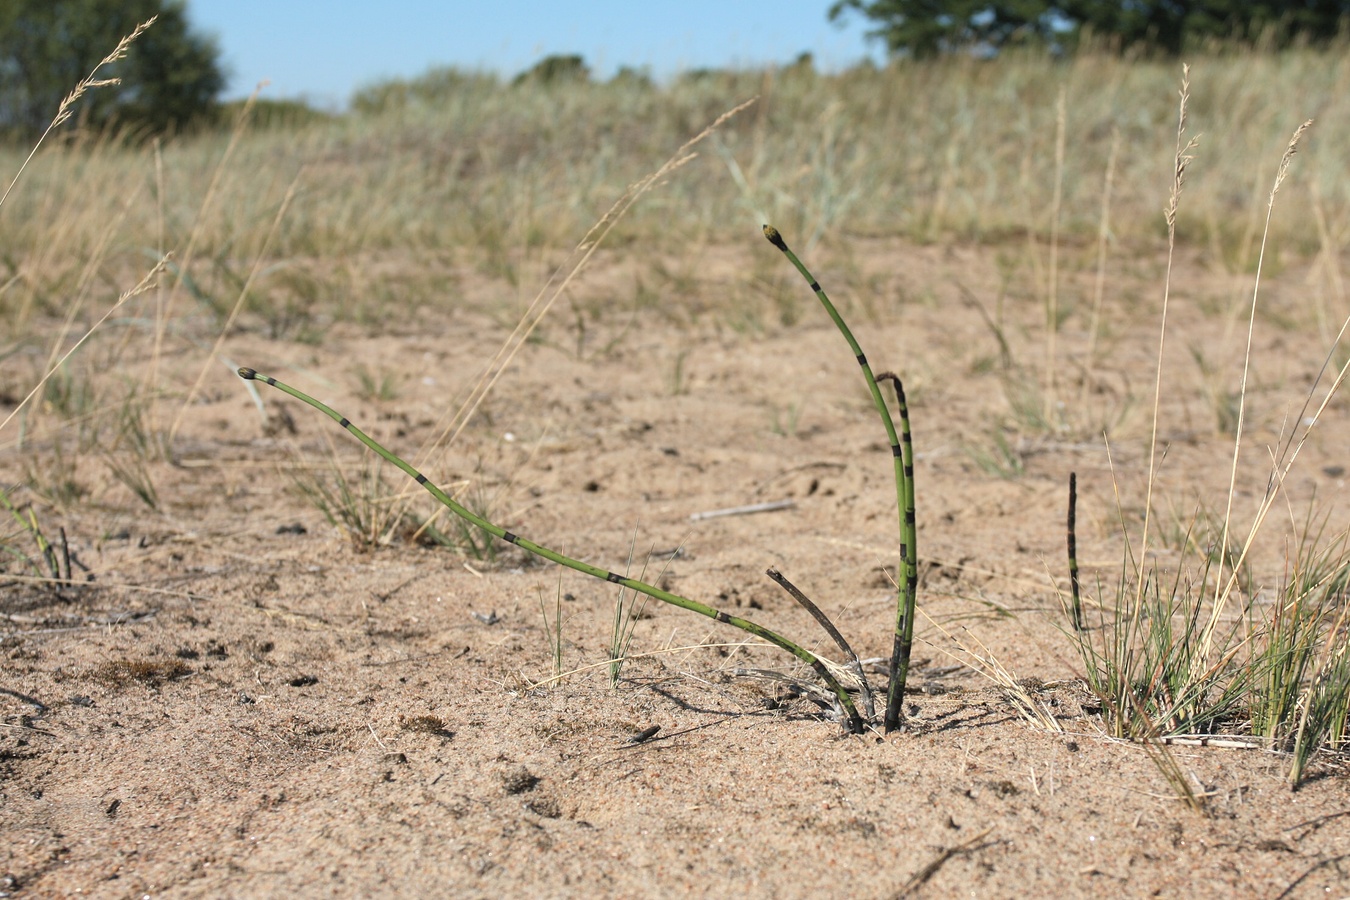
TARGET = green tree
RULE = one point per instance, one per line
(556, 69)
(928, 27)
(170, 78)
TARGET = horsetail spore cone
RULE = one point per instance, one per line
(903, 454)
(855, 722)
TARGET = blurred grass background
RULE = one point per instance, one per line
(464, 168)
(461, 190)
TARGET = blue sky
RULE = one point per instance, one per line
(323, 51)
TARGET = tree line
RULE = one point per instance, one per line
(925, 28)
(172, 77)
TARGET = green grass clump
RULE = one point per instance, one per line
(363, 506)
(1202, 652)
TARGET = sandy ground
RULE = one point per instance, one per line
(235, 706)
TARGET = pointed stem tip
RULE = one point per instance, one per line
(247, 374)
(774, 237)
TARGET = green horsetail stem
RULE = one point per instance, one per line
(905, 641)
(855, 722)
(903, 455)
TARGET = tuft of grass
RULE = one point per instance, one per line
(553, 629)
(1199, 651)
(785, 421)
(629, 607)
(50, 565)
(1324, 719)
(1001, 458)
(1145, 659)
(136, 445)
(1224, 402)
(468, 538)
(376, 386)
(363, 507)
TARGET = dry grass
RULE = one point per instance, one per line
(293, 230)
(505, 176)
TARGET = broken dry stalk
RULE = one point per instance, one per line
(840, 641)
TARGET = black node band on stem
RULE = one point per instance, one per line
(510, 538)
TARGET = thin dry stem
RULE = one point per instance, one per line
(198, 226)
(1222, 588)
(989, 666)
(1284, 462)
(1182, 162)
(1052, 292)
(1103, 235)
(544, 300)
(239, 302)
(145, 284)
(87, 84)
(96, 259)
(1328, 258)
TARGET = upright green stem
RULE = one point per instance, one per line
(905, 607)
(1074, 590)
(855, 722)
(903, 454)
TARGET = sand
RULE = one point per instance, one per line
(240, 701)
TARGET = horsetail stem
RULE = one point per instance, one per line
(855, 722)
(1073, 552)
(904, 642)
(903, 455)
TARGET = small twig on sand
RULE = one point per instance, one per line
(772, 506)
(918, 879)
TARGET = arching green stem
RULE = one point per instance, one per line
(855, 723)
(902, 452)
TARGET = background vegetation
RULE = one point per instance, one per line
(922, 28)
(460, 167)
(171, 77)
